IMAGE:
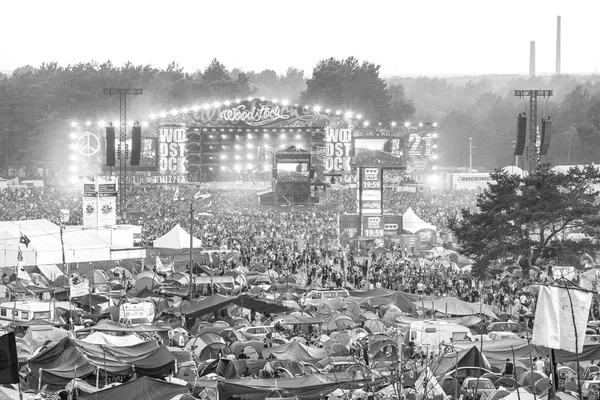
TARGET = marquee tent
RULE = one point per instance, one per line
(45, 246)
(177, 239)
(412, 223)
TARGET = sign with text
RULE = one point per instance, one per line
(371, 197)
(171, 154)
(252, 113)
(137, 312)
(373, 227)
(79, 290)
(338, 145)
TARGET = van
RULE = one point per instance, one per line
(327, 294)
(27, 311)
(431, 335)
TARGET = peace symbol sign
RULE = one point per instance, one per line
(88, 144)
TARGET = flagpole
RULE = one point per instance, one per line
(576, 341)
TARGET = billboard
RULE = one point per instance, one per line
(90, 202)
(373, 227)
(370, 193)
(171, 155)
(338, 145)
(468, 181)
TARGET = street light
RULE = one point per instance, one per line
(197, 196)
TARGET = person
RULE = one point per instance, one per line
(242, 355)
(508, 368)
(540, 365)
(247, 373)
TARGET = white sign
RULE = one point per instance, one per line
(138, 312)
(338, 143)
(79, 290)
(172, 150)
(472, 181)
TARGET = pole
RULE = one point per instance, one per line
(515, 370)
(576, 342)
(191, 249)
(471, 154)
(531, 361)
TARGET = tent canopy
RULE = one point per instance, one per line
(412, 223)
(177, 239)
(143, 388)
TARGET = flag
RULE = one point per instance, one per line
(176, 195)
(25, 240)
(553, 326)
(159, 265)
(64, 216)
(9, 362)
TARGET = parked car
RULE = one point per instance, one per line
(499, 335)
(510, 326)
(472, 388)
(258, 332)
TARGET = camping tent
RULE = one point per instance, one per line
(412, 223)
(177, 239)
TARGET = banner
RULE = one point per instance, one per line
(371, 198)
(90, 202)
(137, 312)
(65, 215)
(556, 308)
(160, 267)
(171, 154)
(338, 145)
(79, 290)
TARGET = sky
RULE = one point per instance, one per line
(417, 37)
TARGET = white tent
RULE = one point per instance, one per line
(45, 245)
(412, 223)
(177, 239)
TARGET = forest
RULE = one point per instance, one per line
(37, 104)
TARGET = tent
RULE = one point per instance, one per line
(455, 306)
(71, 358)
(143, 388)
(177, 239)
(295, 351)
(412, 223)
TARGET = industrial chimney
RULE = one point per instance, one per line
(532, 58)
(557, 71)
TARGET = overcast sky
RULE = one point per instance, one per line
(405, 37)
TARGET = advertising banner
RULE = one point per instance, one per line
(373, 227)
(107, 201)
(392, 225)
(138, 312)
(338, 145)
(371, 198)
(90, 202)
(171, 153)
(469, 181)
(426, 237)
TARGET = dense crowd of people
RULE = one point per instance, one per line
(295, 240)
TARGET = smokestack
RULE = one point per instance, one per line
(557, 71)
(532, 58)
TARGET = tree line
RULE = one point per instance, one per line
(37, 104)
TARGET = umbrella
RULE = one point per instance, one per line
(380, 250)
(273, 273)
(497, 394)
(491, 282)
(491, 376)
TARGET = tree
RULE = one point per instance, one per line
(349, 85)
(527, 217)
